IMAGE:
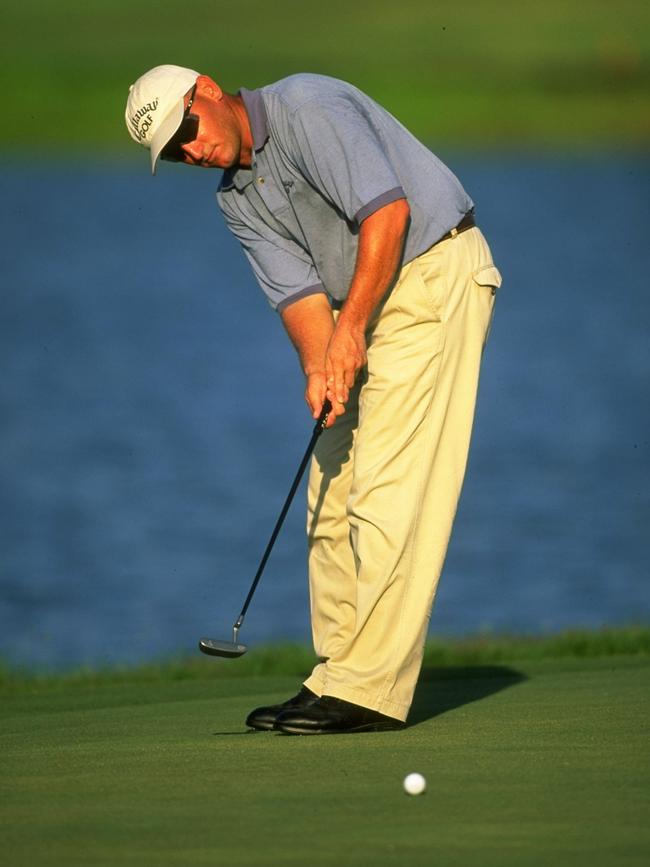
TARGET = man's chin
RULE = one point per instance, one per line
(215, 162)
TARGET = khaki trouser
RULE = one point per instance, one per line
(386, 478)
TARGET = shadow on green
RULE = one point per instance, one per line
(443, 689)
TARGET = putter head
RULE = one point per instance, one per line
(228, 649)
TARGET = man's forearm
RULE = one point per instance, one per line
(309, 322)
(310, 325)
(379, 258)
(332, 354)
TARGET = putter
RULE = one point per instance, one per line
(233, 649)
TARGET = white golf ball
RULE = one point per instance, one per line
(414, 784)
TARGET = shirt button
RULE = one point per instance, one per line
(260, 180)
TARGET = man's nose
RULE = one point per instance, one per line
(194, 150)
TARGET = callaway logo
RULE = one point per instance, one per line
(142, 120)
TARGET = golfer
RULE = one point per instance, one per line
(366, 245)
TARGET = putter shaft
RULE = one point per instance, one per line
(215, 647)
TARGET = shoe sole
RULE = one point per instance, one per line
(260, 728)
(366, 727)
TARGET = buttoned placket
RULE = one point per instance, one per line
(273, 194)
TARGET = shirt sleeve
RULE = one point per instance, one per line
(338, 148)
(283, 269)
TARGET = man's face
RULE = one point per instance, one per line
(218, 140)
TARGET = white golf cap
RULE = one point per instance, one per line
(154, 109)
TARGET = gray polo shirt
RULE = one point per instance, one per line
(325, 157)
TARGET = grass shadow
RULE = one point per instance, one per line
(443, 689)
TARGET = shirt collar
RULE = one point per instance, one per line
(256, 111)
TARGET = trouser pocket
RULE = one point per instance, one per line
(488, 279)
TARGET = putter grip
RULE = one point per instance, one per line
(322, 418)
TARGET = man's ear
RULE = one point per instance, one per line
(205, 86)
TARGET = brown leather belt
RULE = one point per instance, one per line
(467, 222)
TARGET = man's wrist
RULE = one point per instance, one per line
(353, 319)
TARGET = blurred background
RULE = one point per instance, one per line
(150, 405)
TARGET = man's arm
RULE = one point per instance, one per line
(310, 325)
(379, 259)
(332, 355)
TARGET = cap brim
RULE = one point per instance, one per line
(165, 131)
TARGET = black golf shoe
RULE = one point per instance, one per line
(263, 718)
(331, 716)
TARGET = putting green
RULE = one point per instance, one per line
(534, 762)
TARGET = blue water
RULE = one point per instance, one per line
(152, 417)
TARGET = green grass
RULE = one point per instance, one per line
(481, 74)
(529, 761)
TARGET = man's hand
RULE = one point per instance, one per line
(315, 394)
(346, 355)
